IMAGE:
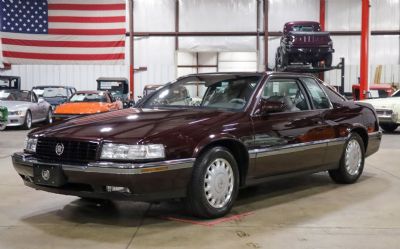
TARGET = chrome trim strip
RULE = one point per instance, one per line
(110, 167)
(295, 147)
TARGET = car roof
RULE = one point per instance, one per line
(250, 74)
(302, 23)
(51, 86)
(90, 92)
(112, 79)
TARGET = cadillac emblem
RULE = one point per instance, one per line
(46, 174)
(59, 149)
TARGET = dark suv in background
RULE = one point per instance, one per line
(304, 42)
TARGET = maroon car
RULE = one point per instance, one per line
(247, 128)
(304, 42)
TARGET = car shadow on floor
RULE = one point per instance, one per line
(257, 200)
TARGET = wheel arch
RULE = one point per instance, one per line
(238, 150)
(363, 134)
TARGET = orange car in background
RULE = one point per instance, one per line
(86, 103)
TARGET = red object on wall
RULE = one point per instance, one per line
(364, 49)
(322, 14)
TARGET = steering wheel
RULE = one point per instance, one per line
(237, 101)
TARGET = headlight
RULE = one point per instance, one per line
(132, 152)
(30, 144)
(16, 113)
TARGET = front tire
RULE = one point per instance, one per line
(391, 127)
(28, 121)
(352, 161)
(214, 185)
(328, 60)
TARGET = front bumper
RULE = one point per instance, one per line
(309, 50)
(107, 180)
(15, 120)
(387, 116)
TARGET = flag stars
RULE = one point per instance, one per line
(24, 16)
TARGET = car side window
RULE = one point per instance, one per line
(34, 97)
(333, 95)
(288, 91)
(318, 96)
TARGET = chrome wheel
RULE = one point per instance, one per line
(218, 183)
(353, 158)
(28, 120)
(50, 117)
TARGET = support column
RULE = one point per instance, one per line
(131, 51)
(322, 4)
(266, 35)
(364, 49)
(176, 24)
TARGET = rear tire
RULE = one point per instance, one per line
(328, 60)
(352, 162)
(214, 185)
(28, 121)
(49, 119)
(391, 127)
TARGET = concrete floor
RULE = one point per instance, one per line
(306, 212)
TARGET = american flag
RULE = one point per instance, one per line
(63, 31)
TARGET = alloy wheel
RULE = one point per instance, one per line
(218, 183)
(353, 157)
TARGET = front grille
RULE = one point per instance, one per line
(74, 151)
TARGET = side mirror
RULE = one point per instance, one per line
(41, 100)
(271, 105)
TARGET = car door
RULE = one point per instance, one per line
(34, 106)
(287, 141)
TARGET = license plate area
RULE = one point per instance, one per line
(48, 175)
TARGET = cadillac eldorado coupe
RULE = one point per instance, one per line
(248, 128)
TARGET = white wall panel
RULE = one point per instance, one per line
(343, 15)
(281, 12)
(158, 55)
(218, 44)
(218, 15)
(154, 15)
(385, 14)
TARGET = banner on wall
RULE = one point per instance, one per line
(63, 31)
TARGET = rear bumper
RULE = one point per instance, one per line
(105, 180)
(61, 117)
(374, 142)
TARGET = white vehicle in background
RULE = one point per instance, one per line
(388, 111)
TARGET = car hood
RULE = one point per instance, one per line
(82, 108)
(383, 103)
(14, 105)
(134, 125)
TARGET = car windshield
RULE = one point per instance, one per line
(396, 94)
(303, 28)
(228, 92)
(115, 87)
(89, 97)
(51, 92)
(14, 95)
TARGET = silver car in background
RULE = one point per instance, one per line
(24, 108)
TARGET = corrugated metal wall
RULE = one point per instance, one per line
(159, 56)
